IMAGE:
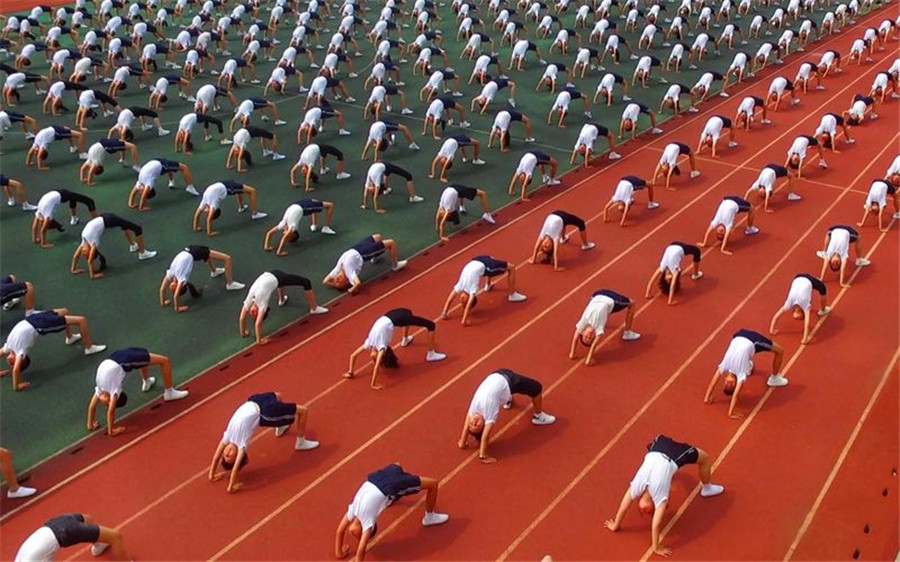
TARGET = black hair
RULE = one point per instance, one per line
(102, 258)
(229, 465)
(129, 135)
(121, 400)
(151, 193)
(98, 170)
(217, 213)
(26, 362)
(727, 388)
(292, 236)
(665, 284)
(390, 360)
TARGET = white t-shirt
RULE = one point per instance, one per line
(380, 334)
(21, 338)
(367, 505)
(839, 243)
(553, 227)
(40, 546)
(92, 231)
(351, 263)
(47, 204)
(492, 393)
(671, 259)
(213, 196)
(261, 292)
(713, 128)
(800, 294)
(877, 194)
(595, 314)
(109, 379)
(243, 423)
(181, 267)
(292, 217)
(737, 358)
(449, 200)
(655, 476)
(469, 278)
(725, 214)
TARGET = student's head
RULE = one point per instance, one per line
(708, 141)
(292, 236)
(253, 311)
(729, 384)
(121, 399)
(151, 193)
(464, 299)
(475, 425)
(794, 161)
(627, 124)
(874, 208)
(229, 456)
(834, 262)
(11, 359)
(720, 231)
(545, 252)
(762, 191)
(825, 140)
(173, 286)
(216, 213)
(98, 170)
(664, 169)
(587, 336)
(340, 280)
(665, 282)
(645, 503)
(797, 312)
(355, 528)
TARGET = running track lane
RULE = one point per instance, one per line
(395, 392)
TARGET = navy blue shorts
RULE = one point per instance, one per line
(542, 157)
(273, 413)
(4, 180)
(328, 112)
(47, 322)
(369, 248)
(394, 483)
(71, 529)
(519, 384)
(621, 301)
(15, 117)
(311, 206)
(232, 187)
(391, 90)
(169, 166)
(131, 358)
(259, 103)
(492, 267)
(760, 342)
(10, 290)
(199, 253)
(112, 145)
(744, 206)
(679, 453)
(61, 133)
(390, 126)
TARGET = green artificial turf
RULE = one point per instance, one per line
(123, 309)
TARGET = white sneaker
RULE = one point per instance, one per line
(652, 205)
(416, 199)
(146, 127)
(344, 132)
(234, 286)
(342, 176)
(406, 111)
(98, 548)
(776, 380)
(724, 95)
(11, 202)
(553, 181)
(751, 230)
(21, 492)
(695, 174)
(431, 519)
(614, 155)
(258, 215)
(327, 230)
(280, 122)
(414, 146)
(73, 221)
(697, 276)
(543, 419)
(147, 254)
(629, 335)
(225, 142)
(318, 310)
(529, 139)
(73, 340)
(862, 262)
(488, 218)
(478, 162)
(172, 394)
(405, 342)
(146, 385)
(516, 297)
(656, 131)
(351, 100)
(766, 121)
(305, 444)
(823, 312)
(94, 349)
(793, 197)
(464, 124)
(133, 248)
(588, 246)
(897, 215)
(400, 265)
(732, 144)
(217, 272)
(276, 156)
(693, 110)
(191, 190)
(281, 430)
(163, 132)
(710, 490)
(435, 356)
(508, 404)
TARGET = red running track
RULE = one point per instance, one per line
(782, 465)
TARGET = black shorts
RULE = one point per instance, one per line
(465, 192)
(519, 384)
(15, 117)
(61, 133)
(570, 220)
(232, 187)
(542, 157)
(71, 529)
(112, 145)
(273, 413)
(10, 290)
(391, 90)
(369, 248)
(256, 132)
(291, 280)
(394, 483)
(679, 453)
(199, 253)
(169, 166)
(131, 358)
(47, 322)
(311, 206)
(621, 302)
(744, 206)
(4, 180)
(259, 103)
(492, 267)
(462, 140)
(514, 115)
(760, 342)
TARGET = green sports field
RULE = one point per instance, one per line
(123, 308)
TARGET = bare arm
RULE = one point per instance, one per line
(712, 386)
(654, 279)
(574, 345)
(463, 442)
(233, 484)
(378, 360)
(363, 543)
(485, 439)
(341, 550)
(615, 524)
(734, 399)
(214, 475)
(656, 529)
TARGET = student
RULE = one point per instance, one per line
(238, 153)
(623, 197)
(213, 197)
(796, 154)
(110, 378)
(466, 287)
(290, 222)
(668, 275)
(93, 166)
(345, 275)
(876, 201)
(777, 90)
(584, 145)
(24, 334)
(381, 489)
(500, 128)
(11, 292)
(378, 342)
(799, 303)
(525, 170)
(449, 207)
(590, 327)
(629, 121)
(89, 248)
(746, 112)
(561, 105)
(43, 216)
(711, 132)
(495, 391)
(736, 366)
(447, 153)
(553, 233)
(382, 136)
(723, 223)
(260, 410)
(14, 491)
(256, 304)
(653, 481)
(145, 186)
(765, 185)
(69, 530)
(376, 184)
(668, 163)
(40, 147)
(177, 276)
(837, 251)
